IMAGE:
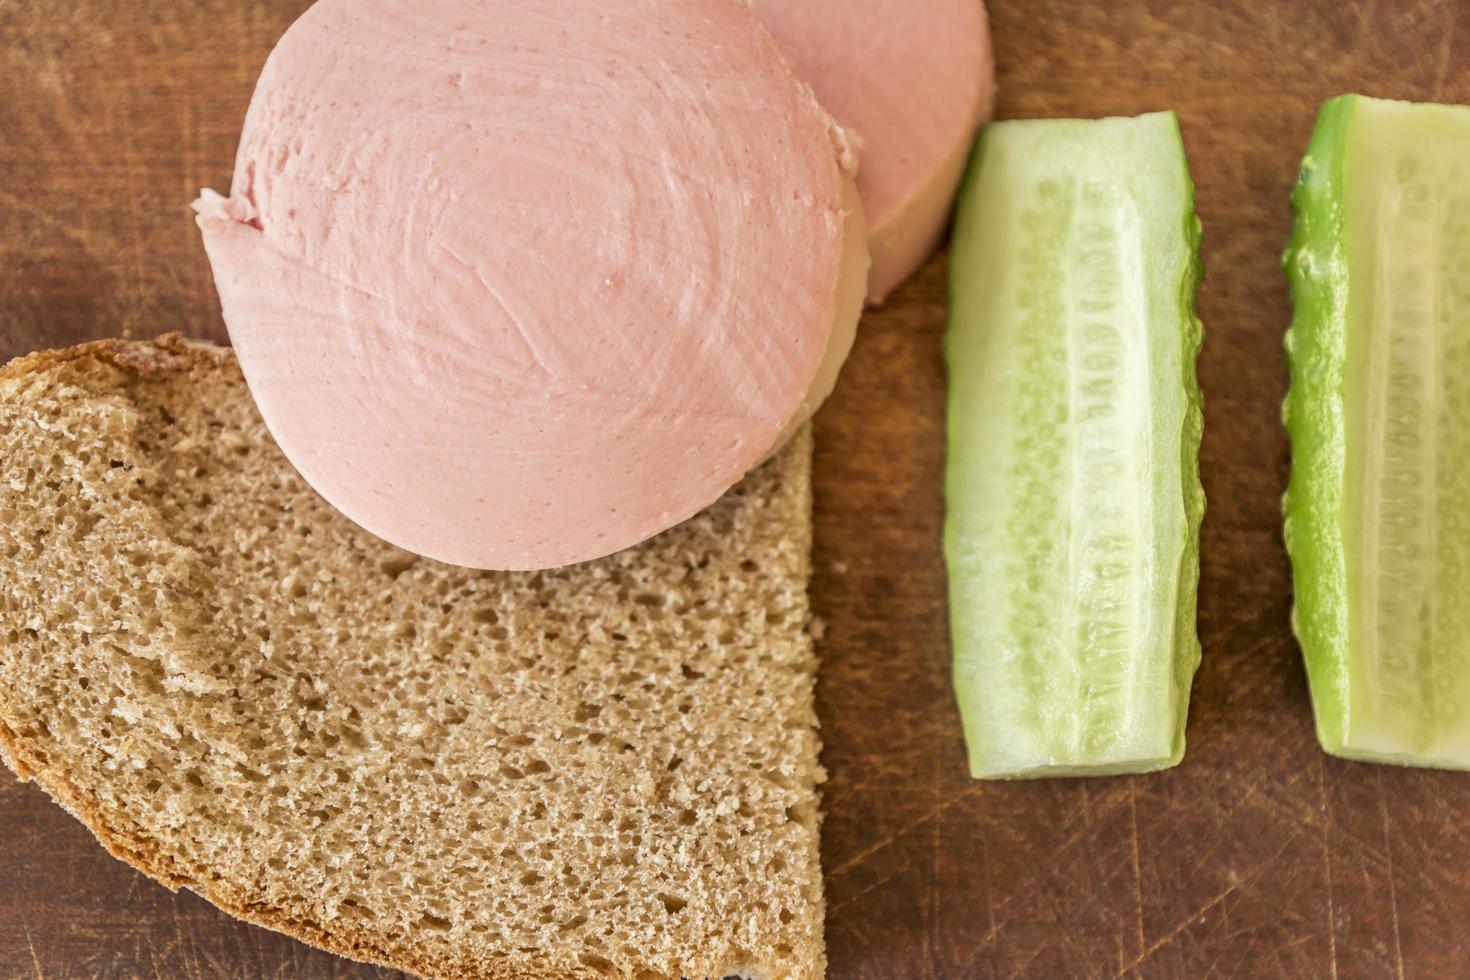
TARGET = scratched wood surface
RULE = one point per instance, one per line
(1258, 857)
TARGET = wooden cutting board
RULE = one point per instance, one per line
(1257, 857)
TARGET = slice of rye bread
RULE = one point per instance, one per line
(603, 770)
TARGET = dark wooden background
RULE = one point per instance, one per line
(1257, 857)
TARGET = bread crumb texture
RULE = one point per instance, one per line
(607, 770)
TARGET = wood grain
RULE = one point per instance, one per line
(1257, 857)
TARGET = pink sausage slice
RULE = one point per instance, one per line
(914, 80)
(517, 285)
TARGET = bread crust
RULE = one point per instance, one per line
(168, 353)
(168, 871)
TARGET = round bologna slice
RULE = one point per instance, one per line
(517, 285)
(914, 81)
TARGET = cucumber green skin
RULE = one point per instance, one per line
(1316, 349)
(1320, 515)
(1180, 649)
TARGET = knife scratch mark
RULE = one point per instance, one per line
(152, 957)
(35, 959)
(901, 832)
(1025, 964)
(1365, 22)
(1203, 911)
(931, 914)
(989, 937)
(939, 810)
(184, 948)
(1445, 48)
(1327, 867)
(42, 217)
(849, 899)
(993, 909)
(989, 893)
(1393, 895)
(1137, 864)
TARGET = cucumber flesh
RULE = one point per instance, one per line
(1072, 483)
(1378, 509)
